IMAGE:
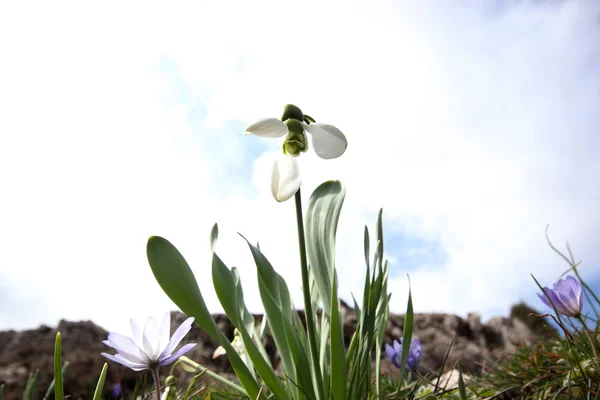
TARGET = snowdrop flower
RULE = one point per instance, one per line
(150, 347)
(566, 295)
(327, 141)
(237, 344)
(414, 354)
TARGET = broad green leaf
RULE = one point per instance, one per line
(283, 321)
(175, 277)
(100, 385)
(246, 316)
(225, 286)
(338, 351)
(322, 217)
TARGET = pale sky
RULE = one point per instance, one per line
(473, 124)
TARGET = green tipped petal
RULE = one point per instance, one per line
(285, 179)
(296, 141)
(327, 140)
(267, 127)
(291, 111)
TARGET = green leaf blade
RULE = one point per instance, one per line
(322, 215)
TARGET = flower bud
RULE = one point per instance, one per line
(170, 391)
(291, 111)
(296, 141)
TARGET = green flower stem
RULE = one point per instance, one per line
(156, 382)
(308, 313)
(203, 370)
(587, 332)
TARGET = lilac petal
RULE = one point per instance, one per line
(398, 345)
(389, 351)
(127, 348)
(412, 363)
(551, 295)
(123, 361)
(544, 299)
(183, 329)
(168, 360)
(416, 348)
(573, 284)
(570, 303)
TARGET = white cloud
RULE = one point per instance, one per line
(472, 128)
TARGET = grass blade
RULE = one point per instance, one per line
(100, 385)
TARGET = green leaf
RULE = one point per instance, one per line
(58, 381)
(284, 323)
(2, 392)
(51, 387)
(407, 334)
(322, 215)
(461, 385)
(225, 286)
(338, 351)
(30, 386)
(175, 277)
(100, 385)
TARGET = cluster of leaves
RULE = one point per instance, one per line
(315, 363)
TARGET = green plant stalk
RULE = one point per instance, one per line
(587, 332)
(156, 381)
(216, 377)
(310, 322)
(51, 387)
(58, 383)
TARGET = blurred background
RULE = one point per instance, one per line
(473, 126)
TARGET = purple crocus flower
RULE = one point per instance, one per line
(151, 347)
(414, 354)
(566, 296)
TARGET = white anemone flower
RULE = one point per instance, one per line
(150, 347)
(327, 141)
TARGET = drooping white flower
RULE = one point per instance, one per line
(327, 141)
(150, 347)
(237, 343)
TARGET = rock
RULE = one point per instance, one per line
(447, 381)
(23, 352)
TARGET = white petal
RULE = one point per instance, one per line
(267, 127)
(327, 140)
(219, 352)
(285, 179)
(150, 338)
(137, 331)
(165, 332)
